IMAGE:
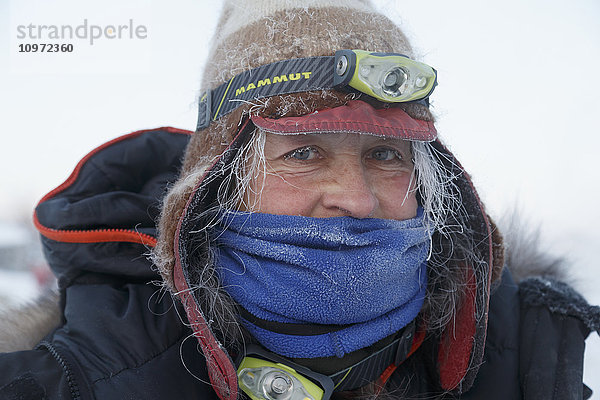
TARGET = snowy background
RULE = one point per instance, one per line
(517, 101)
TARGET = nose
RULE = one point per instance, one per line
(348, 192)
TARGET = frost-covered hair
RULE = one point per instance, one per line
(452, 247)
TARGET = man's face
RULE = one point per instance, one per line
(336, 174)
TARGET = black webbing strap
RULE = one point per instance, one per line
(363, 372)
(282, 77)
(370, 368)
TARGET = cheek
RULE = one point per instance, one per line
(397, 197)
(283, 197)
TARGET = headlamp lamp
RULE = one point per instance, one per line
(387, 77)
(261, 379)
(392, 78)
(266, 376)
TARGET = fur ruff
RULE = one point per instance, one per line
(24, 326)
(526, 256)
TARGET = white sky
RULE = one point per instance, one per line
(517, 99)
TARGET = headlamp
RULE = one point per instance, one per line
(261, 379)
(264, 376)
(388, 77)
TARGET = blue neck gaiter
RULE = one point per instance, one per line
(366, 276)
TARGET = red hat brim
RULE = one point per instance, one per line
(354, 117)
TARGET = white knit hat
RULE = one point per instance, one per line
(251, 33)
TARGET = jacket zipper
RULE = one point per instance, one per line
(73, 388)
(94, 235)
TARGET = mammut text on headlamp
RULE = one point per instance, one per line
(388, 77)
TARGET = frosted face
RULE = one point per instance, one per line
(336, 174)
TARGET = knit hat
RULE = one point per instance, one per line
(252, 33)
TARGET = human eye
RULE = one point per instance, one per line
(302, 154)
(385, 154)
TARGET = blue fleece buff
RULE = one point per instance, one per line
(367, 274)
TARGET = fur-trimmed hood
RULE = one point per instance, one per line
(474, 252)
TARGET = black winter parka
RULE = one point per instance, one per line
(122, 337)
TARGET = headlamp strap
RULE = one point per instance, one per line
(282, 77)
(363, 372)
(388, 77)
(355, 376)
(370, 368)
